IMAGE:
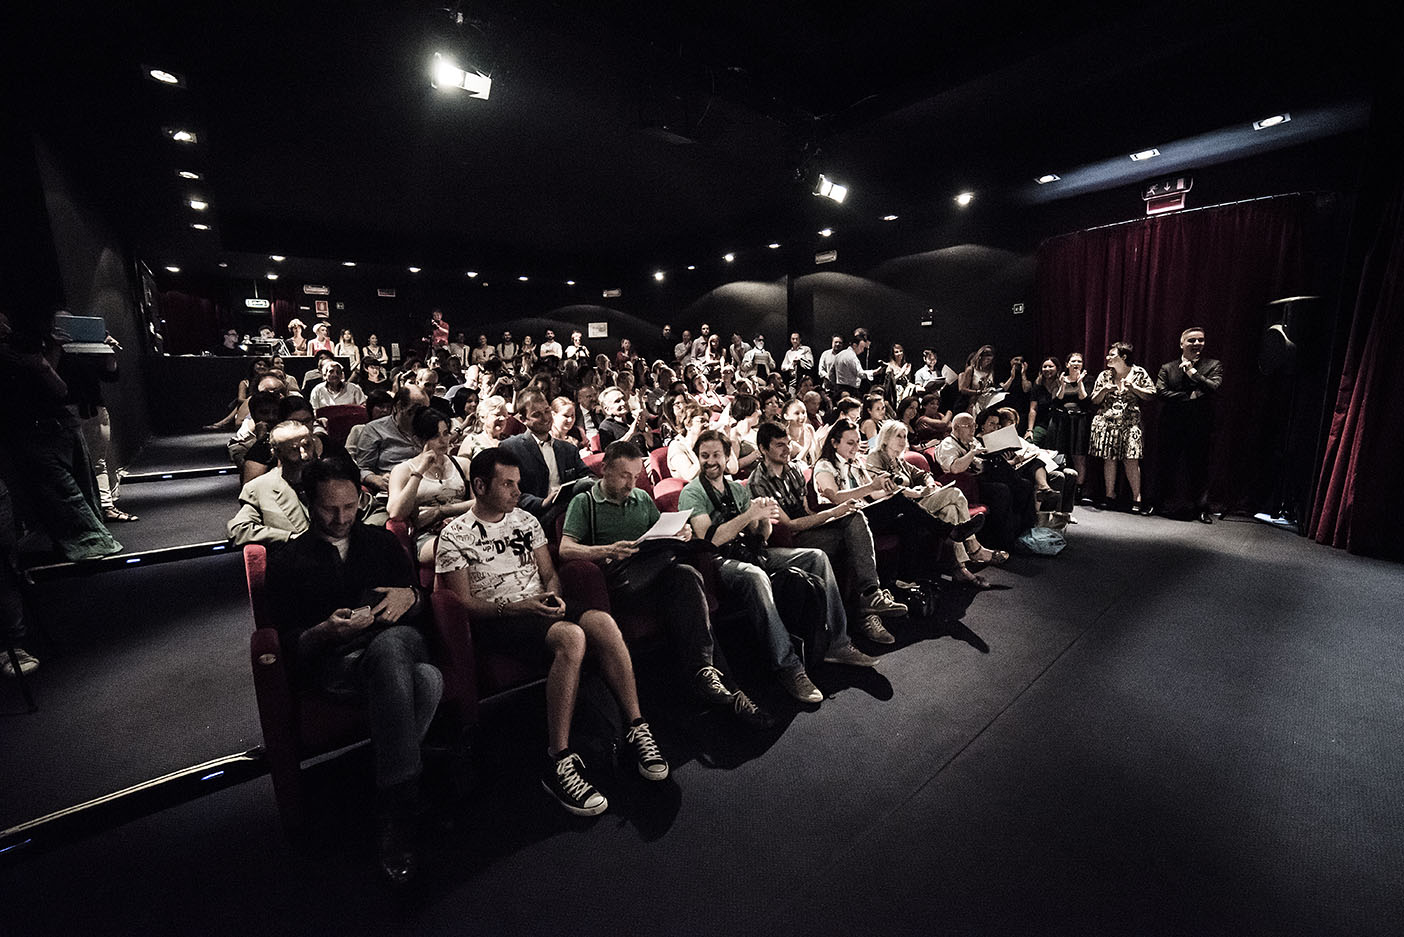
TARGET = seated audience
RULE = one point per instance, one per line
(962, 452)
(682, 455)
(495, 559)
(384, 444)
(430, 489)
(335, 391)
(841, 531)
(799, 432)
(603, 525)
(725, 515)
(492, 417)
(350, 621)
(619, 423)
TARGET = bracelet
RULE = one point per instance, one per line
(501, 606)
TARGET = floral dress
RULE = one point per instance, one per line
(1116, 429)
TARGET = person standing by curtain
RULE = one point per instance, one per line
(1188, 388)
(1116, 429)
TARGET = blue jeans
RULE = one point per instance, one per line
(750, 585)
(401, 690)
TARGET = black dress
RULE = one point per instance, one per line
(1070, 423)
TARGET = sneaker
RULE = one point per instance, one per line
(28, 663)
(797, 683)
(749, 713)
(850, 656)
(881, 602)
(874, 631)
(709, 686)
(565, 781)
(646, 754)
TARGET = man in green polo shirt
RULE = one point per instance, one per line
(603, 525)
(724, 512)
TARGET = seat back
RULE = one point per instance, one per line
(595, 463)
(340, 419)
(917, 460)
(402, 533)
(665, 493)
(513, 427)
(256, 576)
(657, 465)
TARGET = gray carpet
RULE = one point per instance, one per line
(1170, 728)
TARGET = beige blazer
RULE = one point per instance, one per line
(269, 511)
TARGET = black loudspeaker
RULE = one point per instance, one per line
(1278, 351)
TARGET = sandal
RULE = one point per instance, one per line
(965, 577)
(117, 514)
(991, 557)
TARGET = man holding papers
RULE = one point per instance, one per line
(605, 524)
(495, 560)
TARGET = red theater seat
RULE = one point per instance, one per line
(340, 419)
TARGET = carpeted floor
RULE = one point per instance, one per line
(1169, 729)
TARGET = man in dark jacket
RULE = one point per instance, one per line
(1187, 388)
(552, 472)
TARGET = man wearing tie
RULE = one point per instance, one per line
(1188, 387)
(552, 471)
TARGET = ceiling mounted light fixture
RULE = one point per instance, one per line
(773, 245)
(187, 174)
(472, 274)
(964, 199)
(348, 263)
(521, 279)
(658, 275)
(889, 217)
(198, 204)
(413, 269)
(447, 76)
(826, 232)
(200, 226)
(277, 258)
(173, 269)
(729, 258)
(828, 188)
(181, 135)
(271, 275)
(163, 76)
(692, 266)
(570, 282)
(1272, 121)
(1047, 178)
(1145, 154)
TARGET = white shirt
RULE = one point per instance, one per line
(848, 370)
(500, 558)
(801, 357)
(349, 395)
(551, 348)
(754, 358)
(941, 375)
(577, 351)
(826, 364)
(548, 452)
(682, 352)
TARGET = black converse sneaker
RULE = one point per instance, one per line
(646, 754)
(565, 780)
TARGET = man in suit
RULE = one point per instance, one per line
(1188, 387)
(270, 508)
(552, 472)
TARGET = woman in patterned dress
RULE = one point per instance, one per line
(1116, 429)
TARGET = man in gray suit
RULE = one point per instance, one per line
(552, 472)
(270, 509)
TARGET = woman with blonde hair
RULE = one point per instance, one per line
(946, 502)
(492, 416)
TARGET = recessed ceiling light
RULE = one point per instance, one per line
(173, 269)
(889, 217)
(271, 275)
(964, 198)
(163, 76)
(445, 74)
(182, 136)
(277, 257)
(773, 245)
(828, 188)
(521, 279)
(570, 282)
(472, 273)
(198, 204)
(413, 269)
(692, 266)
(187, 174)
(1050, 177)
(658, 275)
(200, 226)
(826, 232)
(223, 264)
(729, 258)
(1272, 121)
(348, 263)
(1145, 154)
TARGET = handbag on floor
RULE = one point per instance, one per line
(1041, 541)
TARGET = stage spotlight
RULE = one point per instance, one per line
(828, 188)
(447, 75)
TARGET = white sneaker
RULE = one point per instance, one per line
(797, 683)
(28, 663)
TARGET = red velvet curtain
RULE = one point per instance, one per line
(1357, 499)
(1146, 281)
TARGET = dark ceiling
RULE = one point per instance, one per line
(629, 134)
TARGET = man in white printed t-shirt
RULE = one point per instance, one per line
(495, 560)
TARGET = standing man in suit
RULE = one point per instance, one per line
(552, 472)
(1188, 388)
(270, 508)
